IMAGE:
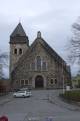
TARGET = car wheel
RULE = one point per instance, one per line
(14, 95)
(24, 96)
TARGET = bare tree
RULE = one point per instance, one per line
(3, 62)
(74, 48)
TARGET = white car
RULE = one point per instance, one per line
(22, 94)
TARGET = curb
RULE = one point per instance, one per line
(4, 102)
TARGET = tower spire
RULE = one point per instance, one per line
(18, 31)
(19, 36)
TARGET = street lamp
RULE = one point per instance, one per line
(63, 77)
(63, 85)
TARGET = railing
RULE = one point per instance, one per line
(3, 92)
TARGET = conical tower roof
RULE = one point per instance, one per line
(19, 36)
(18, 31)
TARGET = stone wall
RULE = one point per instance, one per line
(15, 57)
(53, 72)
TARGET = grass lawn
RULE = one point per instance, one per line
(71, 95)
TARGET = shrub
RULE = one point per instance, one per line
(72, 95)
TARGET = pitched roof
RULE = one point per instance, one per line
(50, 50)
(18, 31)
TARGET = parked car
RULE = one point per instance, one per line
(22, 94)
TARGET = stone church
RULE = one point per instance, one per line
(36, 65)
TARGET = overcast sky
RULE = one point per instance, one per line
(52, 17)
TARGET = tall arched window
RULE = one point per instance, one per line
(20, 51)
(38, 63)
(33, 66)
(44, 66)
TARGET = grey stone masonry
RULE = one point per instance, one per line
(37, 66)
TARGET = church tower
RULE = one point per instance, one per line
(19, 43)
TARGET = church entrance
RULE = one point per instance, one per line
(39, 82)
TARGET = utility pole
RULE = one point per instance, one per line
(0, 71)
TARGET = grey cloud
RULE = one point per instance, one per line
(52, 17)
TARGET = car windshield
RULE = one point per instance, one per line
(24, 89)
(20, 91)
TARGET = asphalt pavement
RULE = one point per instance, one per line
(42, 105)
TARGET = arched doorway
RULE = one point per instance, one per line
(39, 82)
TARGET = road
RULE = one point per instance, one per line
(42, 105)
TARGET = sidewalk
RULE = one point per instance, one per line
(3, 102)
(63, 104)
(5, 99)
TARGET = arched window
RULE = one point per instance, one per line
(52, 81)
(38, 63)
(20, 51)
(15, 51)
(55, 81)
